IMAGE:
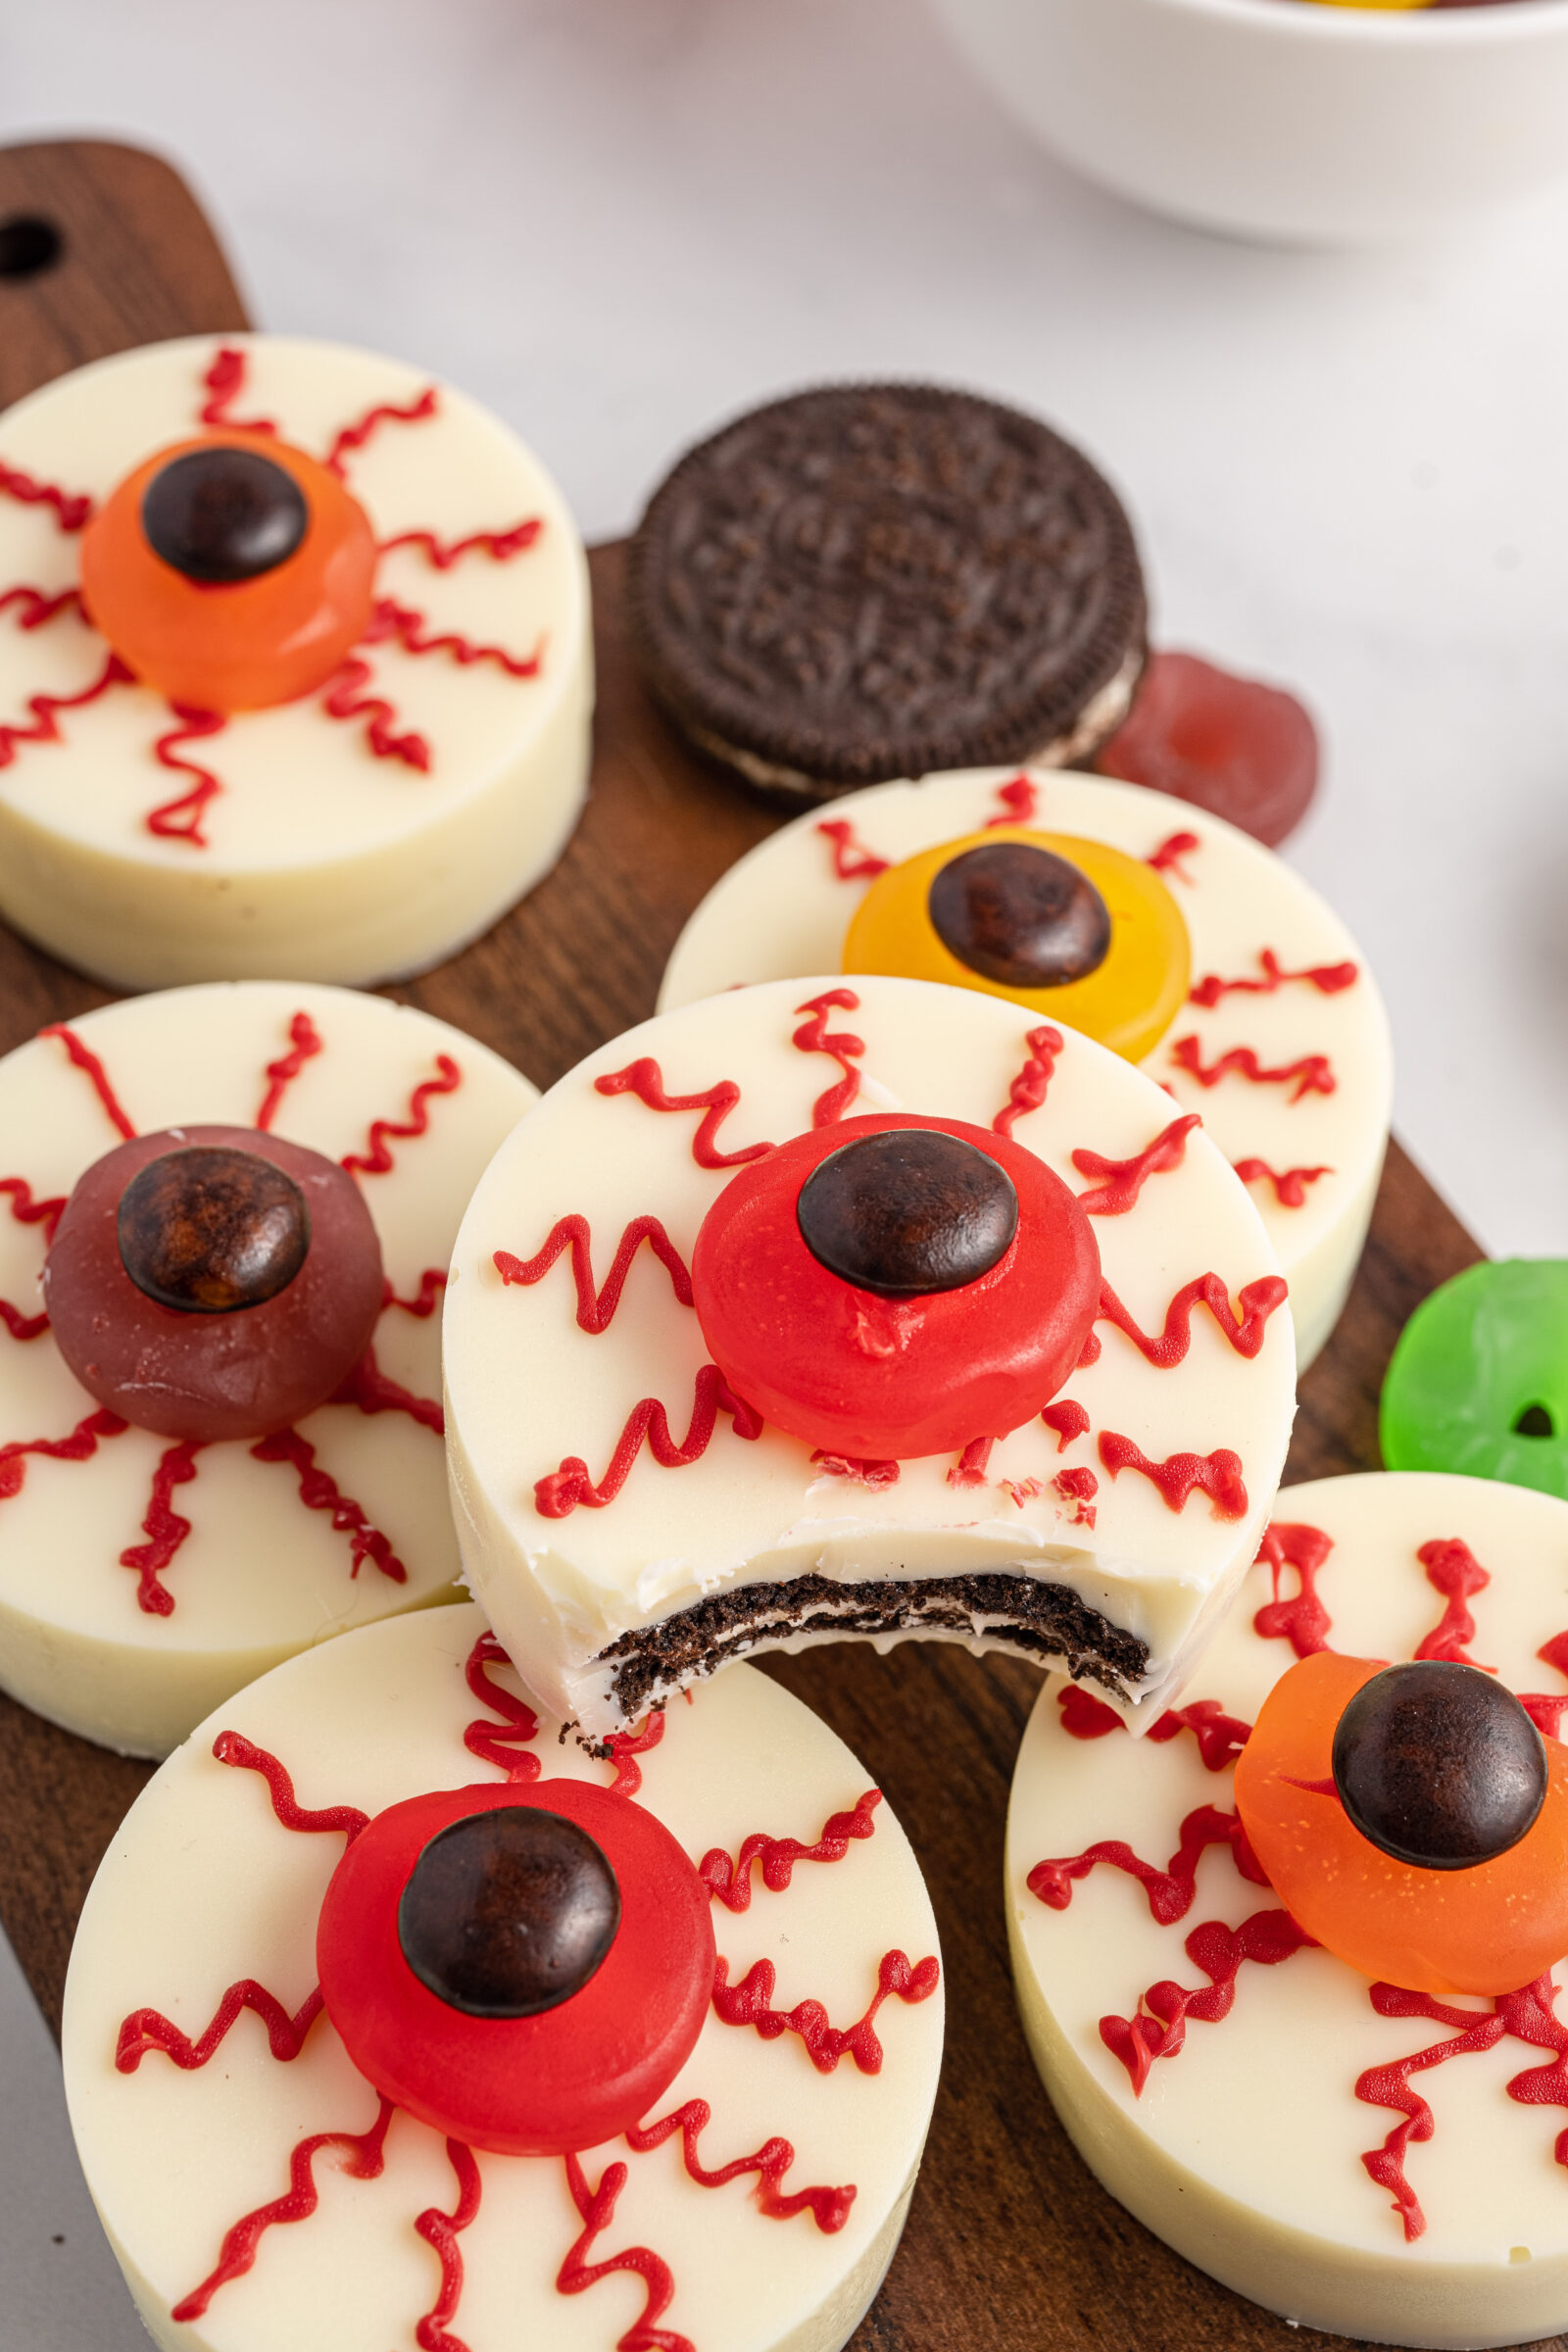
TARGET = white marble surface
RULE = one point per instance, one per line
(621, 220)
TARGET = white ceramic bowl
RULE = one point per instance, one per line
(1283, 118)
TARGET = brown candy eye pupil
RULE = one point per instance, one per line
(1439, 1765)
(209, 1230)
(509, 1912)
(908, 1212)
(223, 515)
(1019, 915)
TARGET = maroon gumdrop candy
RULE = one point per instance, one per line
(1240, 749)
(241, 1373)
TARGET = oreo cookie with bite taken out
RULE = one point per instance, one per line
(876, 580)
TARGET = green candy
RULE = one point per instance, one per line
(1485, 1354)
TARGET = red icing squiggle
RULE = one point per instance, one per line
(165, 1529)
(147, 2029)
(303, 1045)
(596, 1309)
(750, 2003)
(829, 2208)
(842, 1046)
(344, 699)
(38, 608)
(1067, 1419)
(1217, 1475)
(515, 1725)
(441, 2232)
(1168, 1347)
(1311, 1071)
(1302, 1619)
(595, 2208)
(73, 510)
(43, 706)
(364, 2159)
(20, 1326)
(1327, 978)
(223, 383)
(623, 1749)
(1529, 2015)
(320, 1492)
(970, 1470)
(79, 1447)
(1020, 799)
(242, 1755)
(730, 1883)
(405, 626)
(1389, 2085)
(82, 1058)
(1289, 1184)
(427, 1298)
(351, 437)
(377, 1159)
(1159, 2029)
(559, 1491)
(1546, 1709)
(1453, 1569)
(181, 819)
(852, 862)
(1027, 1091)
(1166, 860)
(646, 1080)
(1220, 1738)
(29, 1211)
(372, 1391)
(1169, 1892)
(500, 545)
(1125, 1178)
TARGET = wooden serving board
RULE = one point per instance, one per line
(1011, 2245)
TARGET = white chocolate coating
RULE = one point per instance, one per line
(324, 862)
(203, 1886)
(527, 1388)
(1244, 2149)
(259, 1576)
(783, 909)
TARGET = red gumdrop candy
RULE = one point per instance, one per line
(1240, 749)
(872, 1376)
(207, 1370)
(574, 2075)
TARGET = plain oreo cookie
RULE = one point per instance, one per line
(877, 581)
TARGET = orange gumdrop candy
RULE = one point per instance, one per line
(233, 645)
(1487, 1929)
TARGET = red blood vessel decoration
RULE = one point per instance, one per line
(1243, 751)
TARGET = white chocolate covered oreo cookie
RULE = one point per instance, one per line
(147, 1567)
(708, 2139)
(1381, 2163)
(816, 1310)
(1261, 1017)
(294, 666)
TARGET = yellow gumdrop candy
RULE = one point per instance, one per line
(1128, 1003)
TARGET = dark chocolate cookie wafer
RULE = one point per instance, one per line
(875, 580)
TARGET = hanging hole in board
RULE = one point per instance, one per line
(1534, 1422)
(28, 245)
